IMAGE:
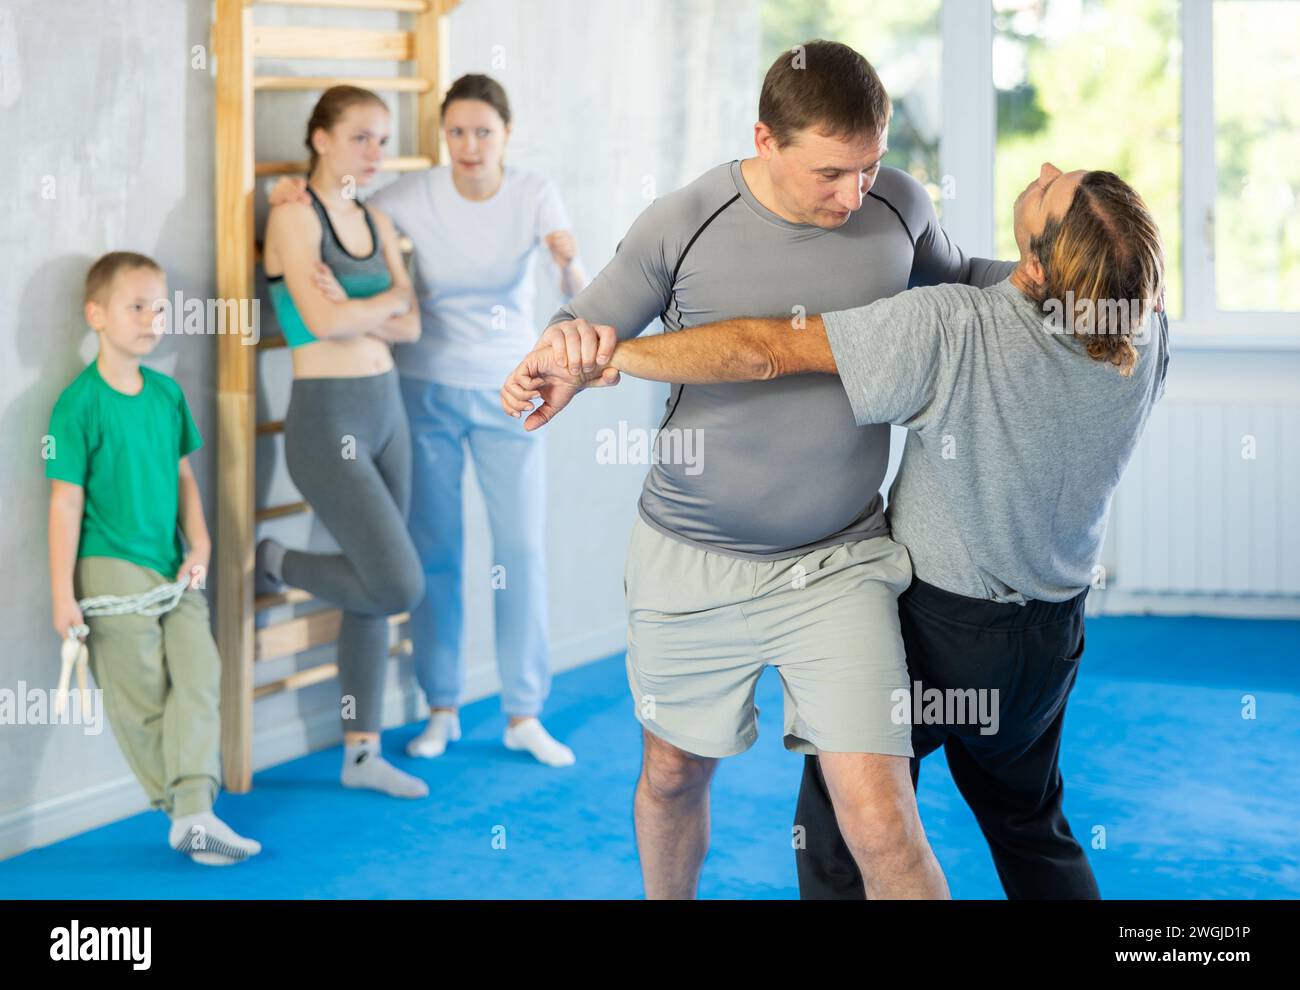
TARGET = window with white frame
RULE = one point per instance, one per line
(902, 42)
(1254, 219)
(1090, 85)
(1196, 102)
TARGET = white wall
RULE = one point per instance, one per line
(1212, 376)
(103, 99)
(109, 144)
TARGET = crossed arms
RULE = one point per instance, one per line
(293, 234)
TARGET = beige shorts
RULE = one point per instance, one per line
(703, 625)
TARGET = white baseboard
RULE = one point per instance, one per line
(58, 818)
(481, 680)
(71, 814)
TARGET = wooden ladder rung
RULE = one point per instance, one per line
(320, 672)
(290, 596)
(405, 6)
(278, 511)
(277, 41)
(403, 163)
(298, 679)
(306, 632)
(238, 41)
(392, 84)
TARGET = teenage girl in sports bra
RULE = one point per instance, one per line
(342, 295)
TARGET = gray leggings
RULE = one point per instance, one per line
(348, 448)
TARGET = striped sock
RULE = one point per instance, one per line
(206, 839)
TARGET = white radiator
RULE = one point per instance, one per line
(1194, 513)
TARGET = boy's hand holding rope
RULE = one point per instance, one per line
(156, 601)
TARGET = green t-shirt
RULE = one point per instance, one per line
(125, 451)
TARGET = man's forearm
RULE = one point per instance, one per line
(740, 350)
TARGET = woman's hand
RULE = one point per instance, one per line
(403, 299)
(322, 277)
(290, 189)
(562, 245)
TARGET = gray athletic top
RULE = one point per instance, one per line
(767, 469)
(1016, 438)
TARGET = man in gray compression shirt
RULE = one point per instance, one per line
(772, 548)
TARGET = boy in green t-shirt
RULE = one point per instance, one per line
(116, 457)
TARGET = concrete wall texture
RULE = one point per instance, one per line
(108, 124)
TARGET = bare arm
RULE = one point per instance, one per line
(741, 350)
(293, 240)
(194, 526)
(405, 328)
(573, 278)
(67, 502)
(564, 253)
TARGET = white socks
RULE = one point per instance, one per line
(364, 767)
(206, 839)
(530, 735)
(443, 727)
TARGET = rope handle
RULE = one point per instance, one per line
(74, 652)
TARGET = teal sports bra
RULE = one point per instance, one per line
(360, 277)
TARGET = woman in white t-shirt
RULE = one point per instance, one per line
(477, 225)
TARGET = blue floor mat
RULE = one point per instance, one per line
(1195, 800)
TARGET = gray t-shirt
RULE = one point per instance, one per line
(767, 469)
(1017, 438)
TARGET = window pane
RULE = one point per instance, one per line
(1257, 148)
(901, 41)
(1091, 84)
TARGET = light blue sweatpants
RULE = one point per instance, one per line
(511, 469)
